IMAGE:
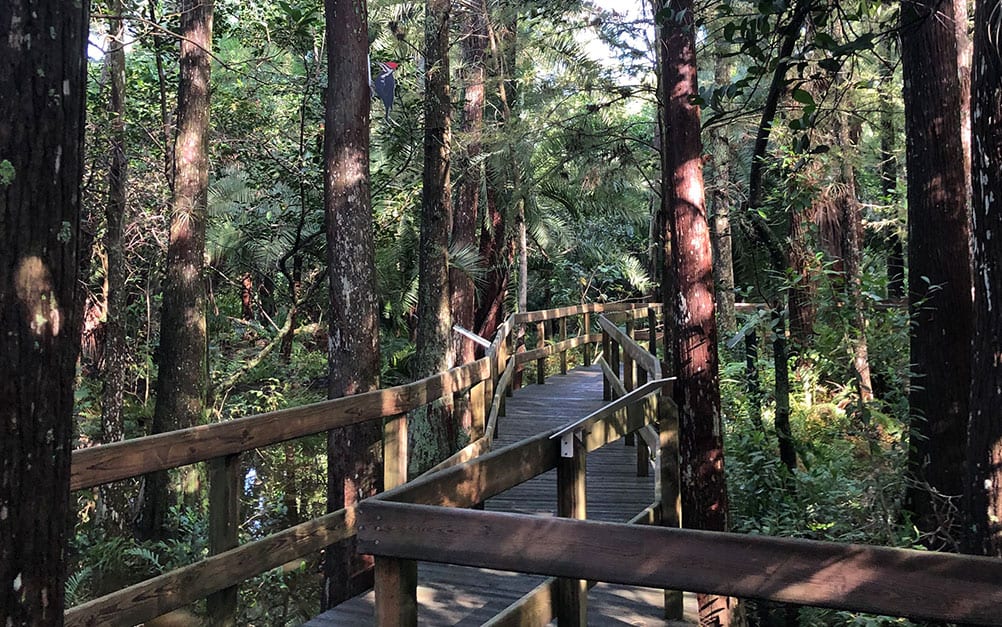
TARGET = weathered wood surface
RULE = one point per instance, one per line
(450, 595)
(920, 585)
(130, 458)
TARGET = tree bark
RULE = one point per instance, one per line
(939, 277)
(182, 366)
(114, 504)
(42, 44)
(464, 219)
(851, 218)
(434, 331)
(723, 257)
(353, 471)
(984, 432)
(704, 489)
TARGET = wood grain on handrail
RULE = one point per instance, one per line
(183, 586)
(920, 585)
(130, 458)
(636, 351)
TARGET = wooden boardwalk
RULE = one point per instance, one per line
(455, 595)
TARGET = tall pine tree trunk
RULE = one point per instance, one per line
(353, 471)
(939, 275)
(182, 368)
(42, 44)
(984, 432)
(434, 330)
(704, 490)
(114, 503)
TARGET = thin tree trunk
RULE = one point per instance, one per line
(704, 489)
(183, 373)
(889, 182)
(114, 504)
(464, 219)
(434, 331)
(42, 44)
(723, 257)
(353, 471)
(851, 218)
(939, 277)
(984, 432)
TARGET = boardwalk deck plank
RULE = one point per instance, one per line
(454, 595)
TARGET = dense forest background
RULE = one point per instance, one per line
(225, 256)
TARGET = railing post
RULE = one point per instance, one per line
(572, 594)
(643, 452)
(563, 352)
(394, 451)
(586, 347)
(614, 360)
(541, 343)
(652, 330)
(669, 496)
(629, 373)
(396, 592)
(224, 520)
(606, 354)
(479, 409)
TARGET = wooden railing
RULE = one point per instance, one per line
(484, 382)
(400, 530)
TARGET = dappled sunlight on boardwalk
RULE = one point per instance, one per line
(455, 595)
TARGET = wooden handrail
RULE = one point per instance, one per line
(130, 458)
(636, 351)
(921, 585)
(467, 479)
(182, 586)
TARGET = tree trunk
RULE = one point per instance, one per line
(464, 219)
(704, 490)
(851, 218)
(42, 45)
(984, 433)
(723, 257)
(353, 471)
(434, 331)
(939, 277)
(889, 182)
(182, 373)
(114, 504)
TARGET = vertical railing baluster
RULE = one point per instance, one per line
(541, 343)
(224, 521)
(563, 351)
(396, 592)
(572, 594)
(669, 499)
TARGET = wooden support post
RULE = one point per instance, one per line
(669, 499)
(629, 374)
(614, 360)
(652, 330)
(606, 351)
(643, 453)
(396, 592)
(563, 353)
(224, 520)
(541, 343)
(572, 594)
(479, 409)
(586, 347)
(394, 451)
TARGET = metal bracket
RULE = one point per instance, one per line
(567, 443)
